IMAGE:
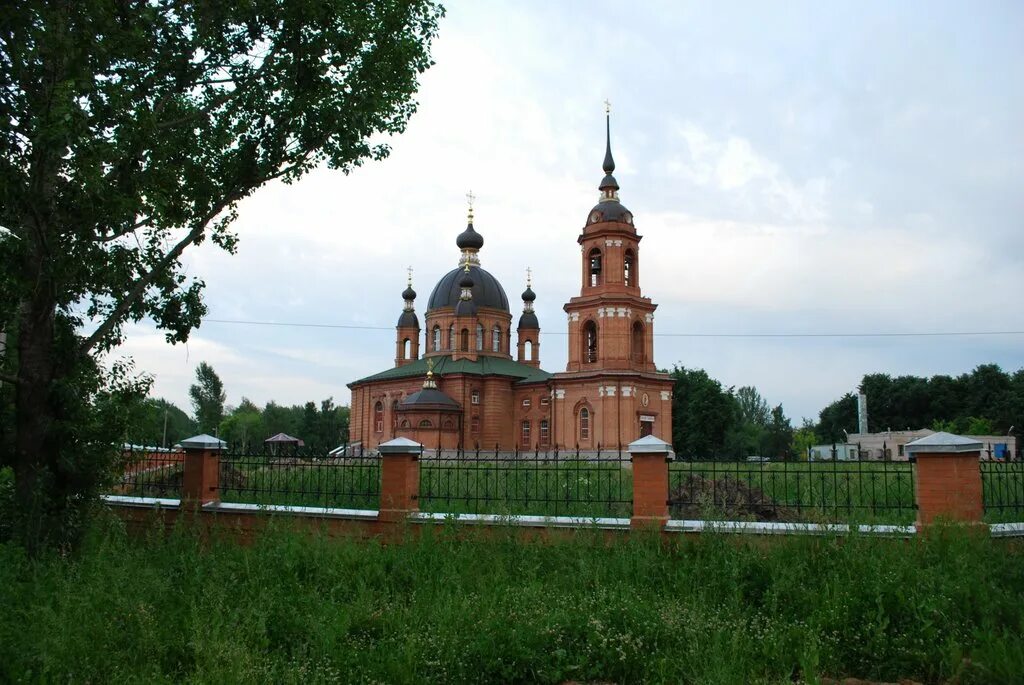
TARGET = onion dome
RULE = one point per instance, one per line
(467, 283)
(469, 239)
(528, 320)
(429, 397)
(409, 293)
(465, 305)
(609, 208)
(408, 317)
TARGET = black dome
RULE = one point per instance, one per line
(408, 320)
(528, 322)
(487, 292)
(409, 294)
(428, 397)
(469, 239)
(610, 211)
(467, 280)
(529, 295)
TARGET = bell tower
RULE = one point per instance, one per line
(611, 323)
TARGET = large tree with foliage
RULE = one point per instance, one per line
(702, 413)
(129, 132)
(207, 395)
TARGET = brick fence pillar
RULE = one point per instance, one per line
(947, 482)
(400, 478)
(651, 457)
(201, 480)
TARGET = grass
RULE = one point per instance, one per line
(454, 606)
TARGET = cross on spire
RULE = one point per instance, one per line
(409, 280)
(607, 106)
(529, 277)
(470, 199)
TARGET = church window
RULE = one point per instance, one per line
(526, 401)
(425, 423)
(584, 424)
(590, 342)
(545, 401)
(496, 339)
(451, 337)
(474, 424)
(526, 433)
(479, 338)
(474, 397)
(627, 269)
(544, 433)
(448, 425)
(465, 340)
(405, 423)
(595, 267)
(378, 417)
(437, 338)
(638, 341)
(406, 349)
(528, 350)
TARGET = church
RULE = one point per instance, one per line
(458, 382)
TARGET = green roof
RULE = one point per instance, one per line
(483, 366)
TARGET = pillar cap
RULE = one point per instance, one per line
(400, 446)
(203, 442)
(650, 445)
(942, 443)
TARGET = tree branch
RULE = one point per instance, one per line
(7, 378)
(146, 279)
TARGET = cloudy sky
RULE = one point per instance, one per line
(794, 168)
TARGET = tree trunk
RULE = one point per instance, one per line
(36, 453)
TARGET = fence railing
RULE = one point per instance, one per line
(556, 483)
(1002, 490)
(300, 477)
(864, 491)
(150, 472)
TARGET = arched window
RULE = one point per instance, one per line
(406, 348)
(479, 338)
(465, 340)
(526, 433)
(451, 337)
(425, 423)
(448, 424)
(378, 417)
(545, 433)
(627, 269)
(496, 339)
(590, 342)
(638, 341)
(437, 338)
(595, 267)
(405, 423)
(584, 424)
(528, 350)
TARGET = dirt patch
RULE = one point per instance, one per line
(730, 497)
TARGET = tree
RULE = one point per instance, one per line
(244, 426)
(208, 396)
(129, 132)
(804, 438)
(778, 434)
(702, 412)
(752, 407)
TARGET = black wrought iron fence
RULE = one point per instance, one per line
(1002, 490)
(555, 483)
(344, 478)
(150, 472)
(763, 490)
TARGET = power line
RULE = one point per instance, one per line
(892, 334)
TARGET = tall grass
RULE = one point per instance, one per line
(456, 606)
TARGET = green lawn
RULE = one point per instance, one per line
(455, 606)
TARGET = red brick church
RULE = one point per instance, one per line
(458, 382)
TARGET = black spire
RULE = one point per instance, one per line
(608, 182)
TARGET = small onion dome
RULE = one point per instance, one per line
(528, 322)
(408, 293)
(466, 281)
(465, 308)
(529, 295)
(469, 239)
(408, 319)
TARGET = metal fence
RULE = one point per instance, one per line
(1002, 490)
(556, 483)
(151, 472)
(866, 491)
(294, 476)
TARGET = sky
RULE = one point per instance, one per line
(797, 169)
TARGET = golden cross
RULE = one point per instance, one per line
(430, 367)
(470, 197)
(607, 106)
